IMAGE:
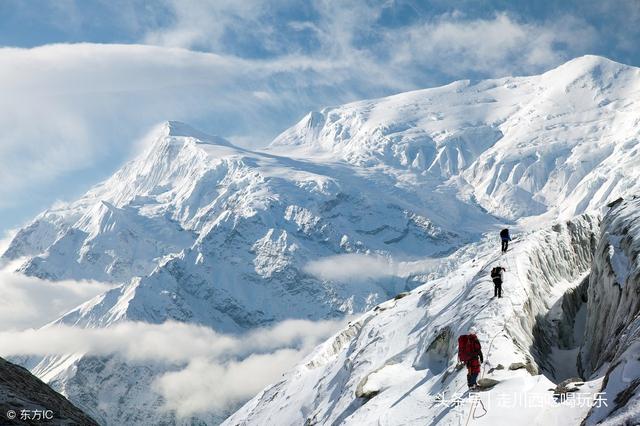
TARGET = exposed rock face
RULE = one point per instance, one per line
(21, 390)
(487, 383)
(571, 384)
(529, 366)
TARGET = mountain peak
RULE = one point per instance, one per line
(178, 129)
(590, 61)
(589, 66)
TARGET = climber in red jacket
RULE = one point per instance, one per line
(470, 353)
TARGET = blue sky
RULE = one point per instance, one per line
(83, 81)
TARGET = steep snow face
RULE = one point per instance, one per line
(612, 338)
(564, 141)
(122, 227)
(389, 366)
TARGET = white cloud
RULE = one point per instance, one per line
(219, 370)
(32, 302)
(202, 23)
(358, 267)
(351, 266)
(259, 359)
(500, 46)
(170, 341)
(451, 44)
(204, 384)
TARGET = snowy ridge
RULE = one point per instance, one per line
(390, 365)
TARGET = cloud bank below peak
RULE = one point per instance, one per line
(205, 369)
(363, 267)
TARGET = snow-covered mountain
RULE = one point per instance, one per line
(562, 142)
(208, 233)
(201, 231)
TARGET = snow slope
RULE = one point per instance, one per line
(198, 230)
(571, 309)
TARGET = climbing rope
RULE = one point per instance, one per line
(478, 401)
(474, 405)
(512, 269)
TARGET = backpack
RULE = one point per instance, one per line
(468, 347)
(495, 273)
(504, 233)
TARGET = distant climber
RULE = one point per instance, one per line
(504, 236)
(470, 353)
(497, 277)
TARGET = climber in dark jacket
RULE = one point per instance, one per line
(496, 276)
(504, 236)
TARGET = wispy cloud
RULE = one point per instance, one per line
(204, 384)
(351, 266)
(451, 43)
(170, 341)
(457, 45)
(217, 370)
(359, 267)
(202, 24)
(31, 302)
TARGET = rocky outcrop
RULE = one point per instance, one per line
(24, 399)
